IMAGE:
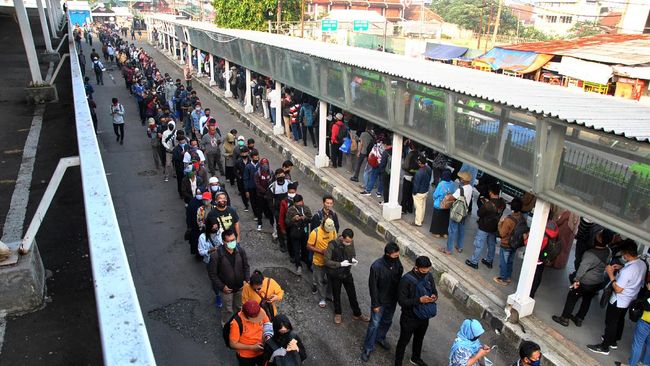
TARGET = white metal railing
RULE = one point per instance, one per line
(122, 330)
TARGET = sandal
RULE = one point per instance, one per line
(444, 251)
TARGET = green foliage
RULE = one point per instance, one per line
(585, 29)
(467, 14)
(249, 14)
(533, 33)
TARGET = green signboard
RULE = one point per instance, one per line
(329, 25)
(361, 25)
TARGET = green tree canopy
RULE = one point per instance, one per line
(585, 29)
(467, 14)
(249, 14)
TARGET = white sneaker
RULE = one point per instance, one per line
(322, 303)
(299, 271)
(259, 227)
(275, 234)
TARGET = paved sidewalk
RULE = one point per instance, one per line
(562, 346)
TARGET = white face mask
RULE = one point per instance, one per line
(214, 188)
(291, 195)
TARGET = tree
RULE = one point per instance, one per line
(249, 14)
(467, 14)
(585, 29)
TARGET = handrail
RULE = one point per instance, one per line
(122, 330)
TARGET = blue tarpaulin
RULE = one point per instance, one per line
(444, 52)
(499, 58)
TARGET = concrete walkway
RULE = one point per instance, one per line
(562, 346)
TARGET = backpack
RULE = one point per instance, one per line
(342, 133)
(553, 245)
(459, 209)
(388, 162)
(226, 328)
(96, 66)
(423, 287)
(374, 158)
(516, 240)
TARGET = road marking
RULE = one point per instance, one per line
(13, 227)
(3, 326)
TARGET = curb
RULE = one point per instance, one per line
(558, 351)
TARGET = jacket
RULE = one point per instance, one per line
(386, 156)
(422, 179)
(249, 175)
(348, 254)
(248, 293)
(506, 226)
(207, 143)
(489, 215)
(444, 188)
(335, 131)
(383, 282)
(290, 212)
(317, 218)
(223, 273)
(262, 181)
(591, 269)
(410, 163)
(240, 166)
(407, 295)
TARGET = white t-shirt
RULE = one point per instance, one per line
(274, 98)
(631, 277)
(468, 193)
(187, 158)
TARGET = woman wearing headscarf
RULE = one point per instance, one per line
(440, 217)
(285, 347)
(467, 350)
(568, 223)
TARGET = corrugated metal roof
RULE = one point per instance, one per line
(599, 112)
(625, 49)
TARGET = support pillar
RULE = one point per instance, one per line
(322, 160)
(520, 300)
(213, 82)
(278, 128)
(392, 210)
(50, 16)
(46, 31)
(228, 92)
(189, 56)
(199, 72)
(182, 53)
(58, 11)
(28, 42)
(248, 107)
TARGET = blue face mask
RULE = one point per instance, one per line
(536, 363)
(232, 244)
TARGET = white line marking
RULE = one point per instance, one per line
(3, 326)
(13, 227)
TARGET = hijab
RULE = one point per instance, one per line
(280, 321)
(467, 337)
(446, 176)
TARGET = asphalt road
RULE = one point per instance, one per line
(173, 288)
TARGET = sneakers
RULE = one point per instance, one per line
(299, 270)
(259, 227)
(598, 348)
(560, 320)
(612, 346)
(362, 318)
(275, 234)
(469, 263)
(166, 179)
(365, 193)
(365, 356)
(354, 179)
(501, 281)
(418, 362)
(322, 304)
(486, 263)
(245, 209)
(314, 290)
(379, 195)
(577, 321)
(337, 319)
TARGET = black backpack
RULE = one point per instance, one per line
(517, 235)
(226, 328)
(342, 134)
(96, 67)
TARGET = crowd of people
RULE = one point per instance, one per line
(188, 145)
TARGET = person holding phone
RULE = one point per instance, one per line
(467, 350)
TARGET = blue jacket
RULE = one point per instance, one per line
(249, 175)
(306, 114)
(443, 189)
(421, 180)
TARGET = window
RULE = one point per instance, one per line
(551, 18)
(566, 19)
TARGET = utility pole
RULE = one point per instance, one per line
(422, 19)
(302, 19)
(201, 10)
(496, 23)
(487, 28)
(279, 17)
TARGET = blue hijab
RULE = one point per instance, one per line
(469, 330)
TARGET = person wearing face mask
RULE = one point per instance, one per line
(178, 153)
(625, 288)
(211, 145)
(190, 184)
(228, 270)
(239, 145)
(215, 187)
(339, 257)
(416, 295)
(263, 178)
(467, 350)
(193, 232)
(277, 191)
(196, 115)
(226, 215)
(287, 165)
(285, 346)
(229, 160)
(383, 283)
(117, 112)
(296, 219)
(319, 238)
(265, 291)
(240, 166)
(193, 153)
(248, 177)
(210, 239)
(530, 354)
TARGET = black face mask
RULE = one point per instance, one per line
(256, 161)
(420, 274)
(280, 180)
(390, 259)
(221, 204)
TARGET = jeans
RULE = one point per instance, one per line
(348, 283)
(480, 240)
(296, 130)
(614, 323)
(378, 327)
(507, 257)
(641, 342)
(118, 128)
(410, 327)
(273, 115)
(99, 76)
(456, 235)
(360, 159)
(372, 179)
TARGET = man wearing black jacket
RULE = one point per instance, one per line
(410, 324)
(383, 282)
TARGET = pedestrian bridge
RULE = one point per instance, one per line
(583, 151)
